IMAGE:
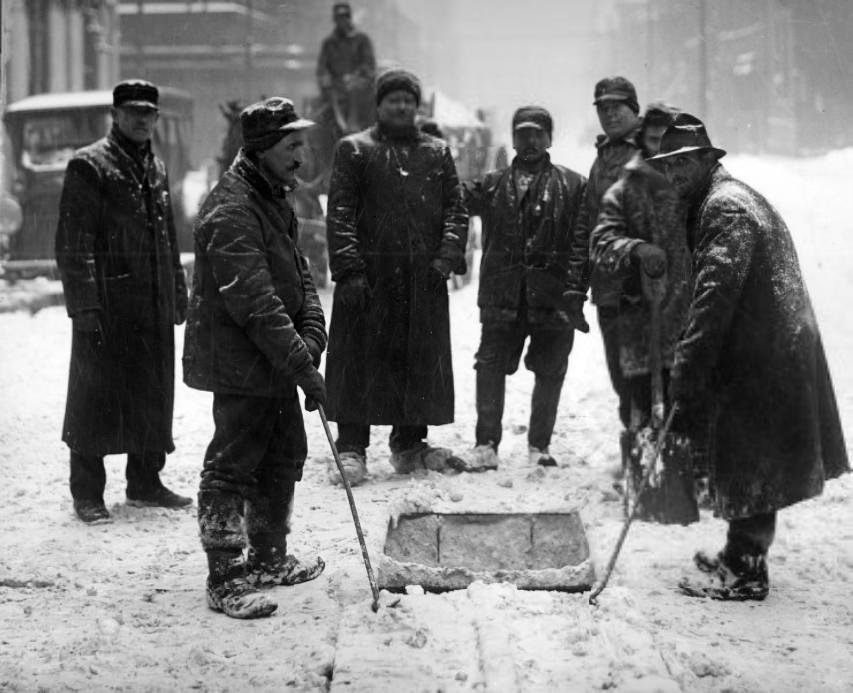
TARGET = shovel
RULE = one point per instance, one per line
(661, 440)
(370, 576)
(669, 496)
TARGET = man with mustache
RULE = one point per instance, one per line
(397, 228)
(751, 356)
(255, 332)
(125, 291)
(530, 255)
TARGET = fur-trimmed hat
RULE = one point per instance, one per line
(397, 79)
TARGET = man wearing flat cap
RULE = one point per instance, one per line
(125, 291)
(751, 356)
(255, 332)
(397, 228)
(615, 101)
(530, 255)
(346, 68)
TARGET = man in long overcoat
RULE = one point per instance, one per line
(255, 332)
(751, 352)
(125, 291)
(397, 228)
(530, 255)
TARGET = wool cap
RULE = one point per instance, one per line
(397, 79)
(264, 123)
(341, 9)
(136, 92)
(533, 117)
(616, 89)
(686, 134)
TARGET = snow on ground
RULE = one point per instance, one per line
(121, 607)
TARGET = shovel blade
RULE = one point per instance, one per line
(670, 497)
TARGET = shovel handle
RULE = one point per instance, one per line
(373, 588)
(659, 443)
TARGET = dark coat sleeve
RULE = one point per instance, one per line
(345, 256)
(181, 295)
(79, 218)
(310, 321)
(366, 66)
(610, 242)
(721, 261)
(238, 260)
(586, 217)
(454, 235)
(578, 260)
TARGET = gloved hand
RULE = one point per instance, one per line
(651, 258)
(314, 387)
(438, 273)
(573, 306)
(353, 293)
(180, 311)
(314, 349)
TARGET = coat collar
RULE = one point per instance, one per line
(246, 169)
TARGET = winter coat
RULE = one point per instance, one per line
(753, 344)
(253, 302)
(606, 169)
(642, 207)
(529, 245)
(395, 206)
(117, 254)
(343, 55)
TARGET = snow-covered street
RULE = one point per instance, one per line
(121, 607)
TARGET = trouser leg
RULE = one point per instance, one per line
(353, 438)
(608, 323)
(269, 508)
(88, 477)
(143, 472)
(243, 429)
(548, 358)
(404, 438)
(491, 392)
(750, 536)
(498, 356)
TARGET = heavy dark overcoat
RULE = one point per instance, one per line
(529, 244)
(117, 254)
(253, 300)
(642, 207)
(395, 206)
(752, 342)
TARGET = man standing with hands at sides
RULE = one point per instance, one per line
(750, 354)
(125, 291)
(530, 255)
(615, 101)
(397, 228)
(255, 332)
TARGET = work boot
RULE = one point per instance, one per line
(424, 456)
(354, 466)
(480, 459)
(746, 578)
(92, 512)
(159, 497)
(230, 592)
(271, 567)
(541, 457)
